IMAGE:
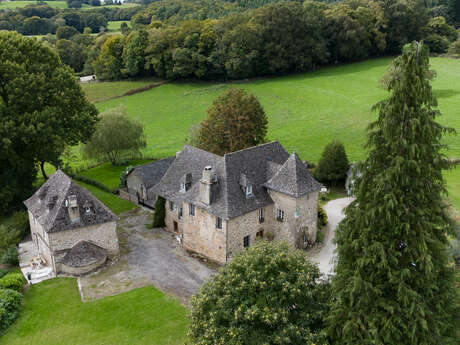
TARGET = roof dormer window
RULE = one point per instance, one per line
(88, 210)
(183, 187)
(248, 190)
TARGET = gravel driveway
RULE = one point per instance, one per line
(324, 257)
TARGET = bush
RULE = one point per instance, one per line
(333, 165)
(437, 43)
(3, 273)
(322, 217)
(160, 213)
(455, 48)
(14, 230)
(268, 291)
(10, 302)
(10, 257)
(13, 281)
(123, 176)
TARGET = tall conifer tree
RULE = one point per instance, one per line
(392, 283)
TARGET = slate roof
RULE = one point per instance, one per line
(256, 166)
(150, 174)
(293, 179)
(49, 209)
(84, 253)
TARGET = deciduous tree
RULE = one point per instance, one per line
(333, 165)
(42, 110)
(235, 121)
(268, 294)
(392, 283)
(116, 134)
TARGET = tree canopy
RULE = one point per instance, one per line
(42, 110)
(235, 121)
(392, 283)
(333, 164)
(116, 135)
(267, 294)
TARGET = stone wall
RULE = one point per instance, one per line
(202, 236)
(300, 216)
(39, 234)
(134, 185)
(127, 196)
(249, 225)
(104, 235)
(78, 271)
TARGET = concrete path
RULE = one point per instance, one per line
(326, 255)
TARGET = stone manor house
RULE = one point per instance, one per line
(218, 205)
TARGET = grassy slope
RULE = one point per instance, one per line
(115, 25)
(112, 201)
(109, 174)
(54, 314)
(18, 4)
(97, 91)
(453, 186)
(305, 111)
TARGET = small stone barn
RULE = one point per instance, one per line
(72, 230)
(142, 178)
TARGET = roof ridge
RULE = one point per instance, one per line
(198, 149)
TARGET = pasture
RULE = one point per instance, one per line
(54, 314)
(18, 4)
(305, 111)
(114, 26)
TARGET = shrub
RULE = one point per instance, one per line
(123, 176)
(14, 230)
(10, 257)
(10, 302)
(455, 48)
(333, 165)
(13, 281)
(322, 217)
(268, 291)
(160, 213)
(437, 43)
(3, 273)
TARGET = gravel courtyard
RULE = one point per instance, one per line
(147, 256)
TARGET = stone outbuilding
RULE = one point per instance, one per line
(73, 232)
(142, 178)
(217, 205)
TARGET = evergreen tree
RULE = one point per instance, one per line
(392, 283)
(160, 213)
(333, 165)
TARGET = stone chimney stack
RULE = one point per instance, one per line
(208, 178)
(72, 207)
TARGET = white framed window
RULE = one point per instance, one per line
(182, 187)
(261, 215)
(279, 215)
(248, 190)
(218, 223)
(192, 209)
(180, 213)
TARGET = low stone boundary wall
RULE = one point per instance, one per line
(127, 196)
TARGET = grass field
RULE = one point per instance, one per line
(453, 186)
(17, 4)
(112, 201)
(109, 174)
(53, 314)
(99, 91)
(305, 111)
(114, 26)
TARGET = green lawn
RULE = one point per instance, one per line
(115, 25)
(18, 4)
(109, 174)
(112, 201)
(305, 111)
(453, 186)
(99, 91)
(53, 314)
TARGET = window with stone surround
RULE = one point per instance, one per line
(279, 215)
(248, 190)
(261, 215)
(171, 206)
(191, 208)
(246, 241)
(218, 223)
(180, 213)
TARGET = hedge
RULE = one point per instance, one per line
(13, 281)
(10, 302)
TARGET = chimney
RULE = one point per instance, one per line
(209, 178)
(72, 207)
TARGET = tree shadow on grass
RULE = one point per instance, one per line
(445, 93)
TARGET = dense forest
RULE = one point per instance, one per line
(216, 39)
